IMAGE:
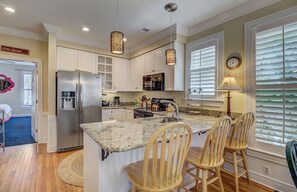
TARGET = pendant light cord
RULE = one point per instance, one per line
(170, 38)
(117, 21)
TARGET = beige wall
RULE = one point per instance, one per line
(234, 44)
(38, 50)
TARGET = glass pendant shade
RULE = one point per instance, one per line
(117, 42)
(170, 56)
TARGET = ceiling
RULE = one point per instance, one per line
(100, 16)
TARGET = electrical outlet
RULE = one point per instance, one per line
(266, 170)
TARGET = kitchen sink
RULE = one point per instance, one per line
(169, 119)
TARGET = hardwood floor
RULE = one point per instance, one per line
(23, 170)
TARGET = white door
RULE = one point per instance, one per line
(34, 117)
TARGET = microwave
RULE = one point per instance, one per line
(154, 82)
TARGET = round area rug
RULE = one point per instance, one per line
(70, 169)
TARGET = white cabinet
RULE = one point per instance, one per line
(120, 74)
(174, 75)
(154, 61)
(135, 73)
(66, 59)
(86, 61)
(72, 59)
(112, 114)
(105, 68)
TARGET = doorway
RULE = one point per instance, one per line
(20, 101)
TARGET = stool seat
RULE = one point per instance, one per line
(235, 145)
(195, 155)
(135, 174)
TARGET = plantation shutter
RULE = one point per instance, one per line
(276, 84)
(203, 70)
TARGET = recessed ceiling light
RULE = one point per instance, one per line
(9, 9)
(125, 39)
(86, 29)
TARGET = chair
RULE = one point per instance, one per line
(291, 154)
(237, 144)
(161, 169)
(208, 158)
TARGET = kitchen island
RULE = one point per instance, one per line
(112, 145)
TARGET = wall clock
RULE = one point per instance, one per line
(233, 62)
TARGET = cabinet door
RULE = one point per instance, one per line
(159, 60)
(66, 59)
(148, 63)
(86, 61)
(120, 79)
(136, 71)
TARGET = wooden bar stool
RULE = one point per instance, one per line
(237, 144)
(161, 169)
(209, 158)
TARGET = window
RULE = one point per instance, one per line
(273, 79)
(27, 88)
(203, 69)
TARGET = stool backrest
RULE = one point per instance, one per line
(165, 154)
(291, 154)
(215, 142)
(240, 133)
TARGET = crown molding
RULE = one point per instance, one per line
(238, 11)
(73, 39)
(52, 28)
(22, 33)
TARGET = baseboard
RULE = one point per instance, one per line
(21, 115)
(42, 131)
(272, 183)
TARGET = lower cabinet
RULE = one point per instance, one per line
(129, 114)
(112, 114)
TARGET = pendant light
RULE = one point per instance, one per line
(170, 53)
(117, 38)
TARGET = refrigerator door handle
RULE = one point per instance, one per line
(76, 98)
(81, 98)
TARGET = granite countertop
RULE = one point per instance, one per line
(119, 136)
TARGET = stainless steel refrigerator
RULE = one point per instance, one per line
(78, 101)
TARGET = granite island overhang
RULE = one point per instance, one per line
(126, 141)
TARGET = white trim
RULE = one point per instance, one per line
(266, 156)
(39, 64)
(52, 28)
(42, 131)
(238, 11)
(52, 133)
(271, 183)
(22, 33)
(219, 42)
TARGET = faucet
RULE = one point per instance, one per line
(176, 116)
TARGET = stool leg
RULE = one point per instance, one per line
(242, 152)
(235, 171)
(204, 181)
(220, 179)
(185, 168)
(197, 177)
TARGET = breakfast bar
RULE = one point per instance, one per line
(112, 145)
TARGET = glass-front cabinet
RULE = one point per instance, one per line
(104, 64)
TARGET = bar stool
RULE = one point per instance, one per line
(209, 158)
(161, 169)
(237, 144)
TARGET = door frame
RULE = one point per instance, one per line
(38, 63)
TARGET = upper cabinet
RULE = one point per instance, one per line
(135, 73)
(66, 59)
(154, 61)
(72, 59)
(105, 68)
(120, 72)
(174, 75)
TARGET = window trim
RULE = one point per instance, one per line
(23, 106)
(218, 99)
(267, 22)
